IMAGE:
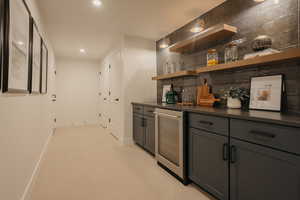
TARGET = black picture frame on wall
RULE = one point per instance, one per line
(1, 38)
(44, 70)
(16, 47)
(266, 93)
(36, 59)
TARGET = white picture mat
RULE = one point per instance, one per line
(44, 69)
(18, 46)
(36, 61)
(271, 85)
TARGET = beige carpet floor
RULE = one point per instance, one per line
(85, 163)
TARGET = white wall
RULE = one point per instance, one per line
(140, 67)
(77, 92)
(26, 123)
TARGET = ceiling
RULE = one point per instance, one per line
(75, 24)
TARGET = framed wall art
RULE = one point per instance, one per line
(16, 47)
(1, 37)
(266, 93)
(36, 59)
(44, 71)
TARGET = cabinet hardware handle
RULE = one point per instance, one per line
(117, 99)
(264, 134)
(143, 122)
(206, 123)
(167, 115)
(233, 154)
(225, 151)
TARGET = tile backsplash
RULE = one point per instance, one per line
(276, 18)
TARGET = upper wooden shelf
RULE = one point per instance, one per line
(215, 33)
(175, 75)
(289, 55)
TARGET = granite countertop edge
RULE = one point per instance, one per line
(252, 115)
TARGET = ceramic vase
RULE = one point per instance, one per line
(234, 103)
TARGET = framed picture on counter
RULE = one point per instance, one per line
(266, 93)
(36, 60)
(16, 47)
(44, 71)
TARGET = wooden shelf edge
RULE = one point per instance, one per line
(290, 54)
(175, 75)
(177, 47)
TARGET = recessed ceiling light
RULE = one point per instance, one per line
(20, 43)
(163, 46)
(97, 3)
(82, 51)
(198, 27)
(259, 1)
(164, 43)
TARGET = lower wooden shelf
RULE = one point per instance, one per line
(175, 75)
(289, 55)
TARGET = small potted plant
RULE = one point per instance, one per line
(236, 97)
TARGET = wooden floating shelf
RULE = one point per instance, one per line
(215, 33)
(289, 55)
(175, 75)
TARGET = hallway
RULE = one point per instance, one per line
(86, 163)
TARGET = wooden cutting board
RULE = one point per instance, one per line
(204, 97)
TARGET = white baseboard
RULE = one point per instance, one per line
(76, 125)
(27, 193)
(127, 141)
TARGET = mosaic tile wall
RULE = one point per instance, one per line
(276, 18)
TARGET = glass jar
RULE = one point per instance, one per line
(172, 67)
(167, 68)
(212, 57)
(188, 95)
(179, 66)
(231, 53)
(234, 53)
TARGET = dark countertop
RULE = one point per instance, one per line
(252, 115)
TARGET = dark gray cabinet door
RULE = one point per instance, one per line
(138, 130)
(208, 165)
(262, 173)
(150, 134)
